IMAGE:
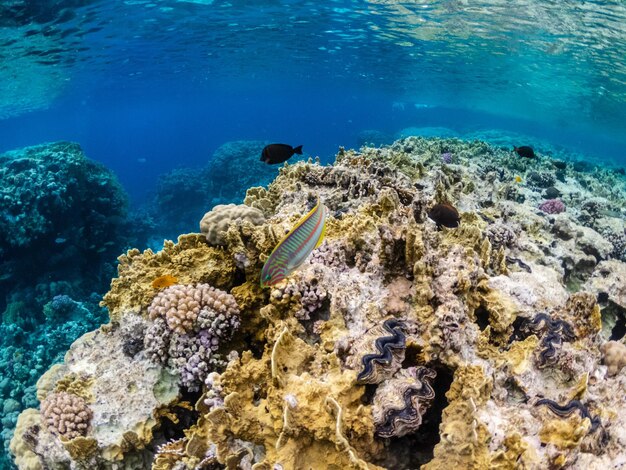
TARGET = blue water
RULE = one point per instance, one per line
(170, 81)
(148, 86)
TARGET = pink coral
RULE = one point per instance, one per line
(552, 206)
(66, 415)
(181, 306)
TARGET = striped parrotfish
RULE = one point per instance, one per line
(297, 245)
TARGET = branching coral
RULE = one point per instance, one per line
(66, 415)
(308, 295)
(198, 307)
(552, 206)
(190, 324)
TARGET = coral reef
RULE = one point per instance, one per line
(63, 213)
(25, 354)
(63, 220)
(190, 324)
(399, 342)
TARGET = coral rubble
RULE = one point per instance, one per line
(401, 342)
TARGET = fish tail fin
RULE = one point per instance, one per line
(298, 150)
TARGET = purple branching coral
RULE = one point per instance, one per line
(190, 324)
(552, 206)
(307, 293)
(446, 158)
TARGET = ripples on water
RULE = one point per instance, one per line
(533, 59)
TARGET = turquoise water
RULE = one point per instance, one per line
(148, 87)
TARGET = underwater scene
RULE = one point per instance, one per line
(309, 235)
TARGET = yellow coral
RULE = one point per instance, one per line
(25, 458)
(565, 433)
(191, 260)
(464, 439)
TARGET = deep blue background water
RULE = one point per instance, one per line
(169, 81)
(143, 132)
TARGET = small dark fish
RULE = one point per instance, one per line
(279, 153)
(445, 215)
(524, 151)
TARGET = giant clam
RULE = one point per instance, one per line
(552, 333)
(384, 346)
(569, 408)
(400, 402)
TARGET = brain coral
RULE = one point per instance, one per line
(66, 415)
(217, 220)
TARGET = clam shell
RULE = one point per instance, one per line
(378, 354)
(400, 403)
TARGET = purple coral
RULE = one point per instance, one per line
(552, 206)
(446, 158)
(190, 346)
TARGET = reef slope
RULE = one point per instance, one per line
(399, 343)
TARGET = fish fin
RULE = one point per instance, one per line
(323, 234)
(298, 224)
(298, 150)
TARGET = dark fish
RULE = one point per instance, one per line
(524, 151)
(445, 215)
(278, 153)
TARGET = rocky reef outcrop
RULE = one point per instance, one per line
(62, 224)
(400, 343)
(59, 211)
(184, 195)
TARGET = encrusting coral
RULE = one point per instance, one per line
(399, 343)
